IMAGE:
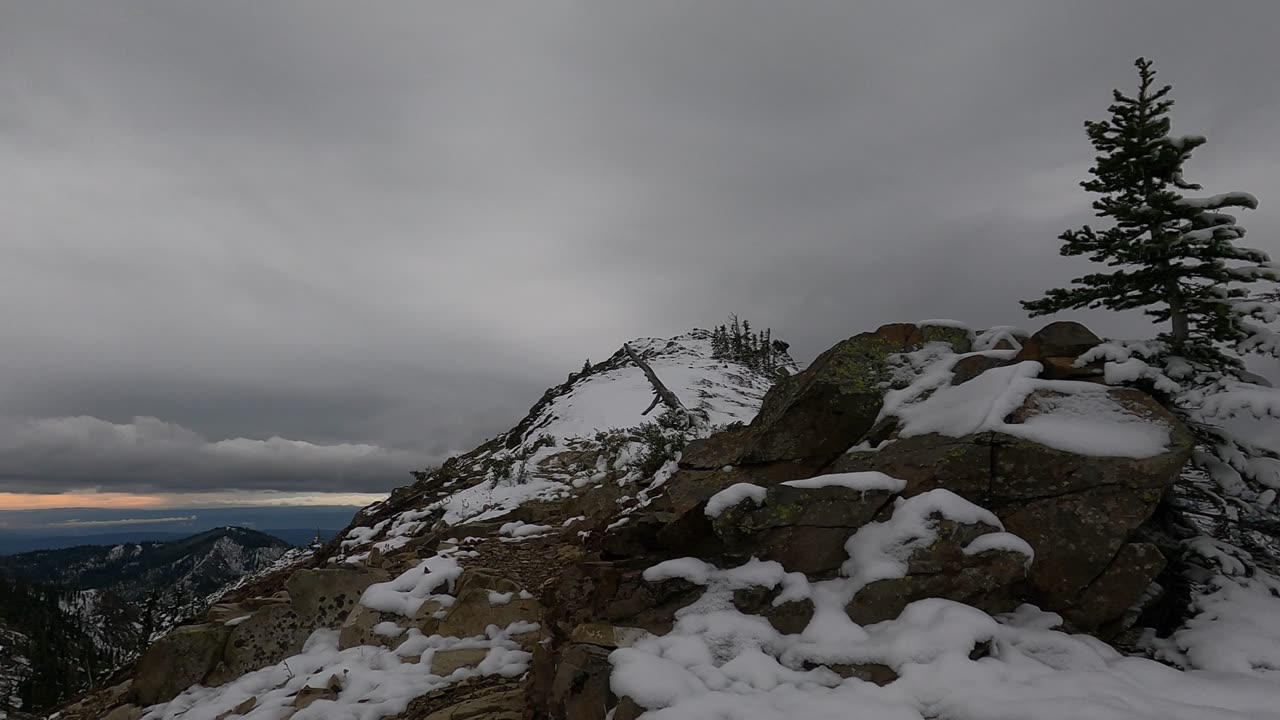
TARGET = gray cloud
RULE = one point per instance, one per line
(149, 455)
(395, 224)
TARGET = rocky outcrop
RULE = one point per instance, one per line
(804, 529)
(993, 580)
(1077, 511)
(522, 609)
(177, 661)
(806, 420)
(1056, 347)
(242, 637)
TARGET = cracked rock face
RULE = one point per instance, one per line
(804, 529)
(1078, 512)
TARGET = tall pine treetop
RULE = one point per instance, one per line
(1175, 257)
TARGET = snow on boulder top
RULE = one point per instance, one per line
(616, 393)
(1077, 417)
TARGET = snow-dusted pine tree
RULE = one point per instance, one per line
(1175, 257)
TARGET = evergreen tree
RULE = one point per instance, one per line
(586, 367)
(719, 342)
(1175, 256)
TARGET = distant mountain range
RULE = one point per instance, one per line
(27, 530)
(69, 616)
(14, 543)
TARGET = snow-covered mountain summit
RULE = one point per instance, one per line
(604, 423)
(617, 394)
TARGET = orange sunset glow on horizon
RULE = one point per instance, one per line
(10, 501)
(109, 500)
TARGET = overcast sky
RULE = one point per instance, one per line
(312, 245)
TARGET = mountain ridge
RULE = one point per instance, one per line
(72, 615)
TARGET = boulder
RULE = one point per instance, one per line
(485, 579)
(726, 447)
(270, 635)
(959, 338)
(580, 690)
(311, 693)
(968, 368)
(1064, 368)
(993, 581)
(870, 672)
(1076, 511)
(1062, 339)
(627, 709)
(829, 406)
(616, 593)
(1106, 605)
(177, 661)
(124, 712)
(609, 636)
(790, 618)
(804, 529)
(358, 628)
(244, 708)
(322, 598)
(445, 662)
(484, 703)
(472, 614)
(928, 462)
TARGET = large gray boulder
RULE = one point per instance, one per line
(804, 529)
(322, 598)
(993, 581)
(1077, 511)
(177, 661)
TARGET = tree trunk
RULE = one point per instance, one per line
(1178, 314)
(661, 392)
(668, 398)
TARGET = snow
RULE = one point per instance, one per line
(733, 495)
(521, 529)
(1215, 202)
(406, 594)
(944, 323)
(494, 498)
(989, 338)
(880, 550)
(718, 663)
(1007, 542)
(863, 481)
(375, 682)
(694, 570)
(1239, 398)
(1091, 423)
(1237, 629)
(1077, 417)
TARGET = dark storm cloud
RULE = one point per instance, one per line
(393, 224)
